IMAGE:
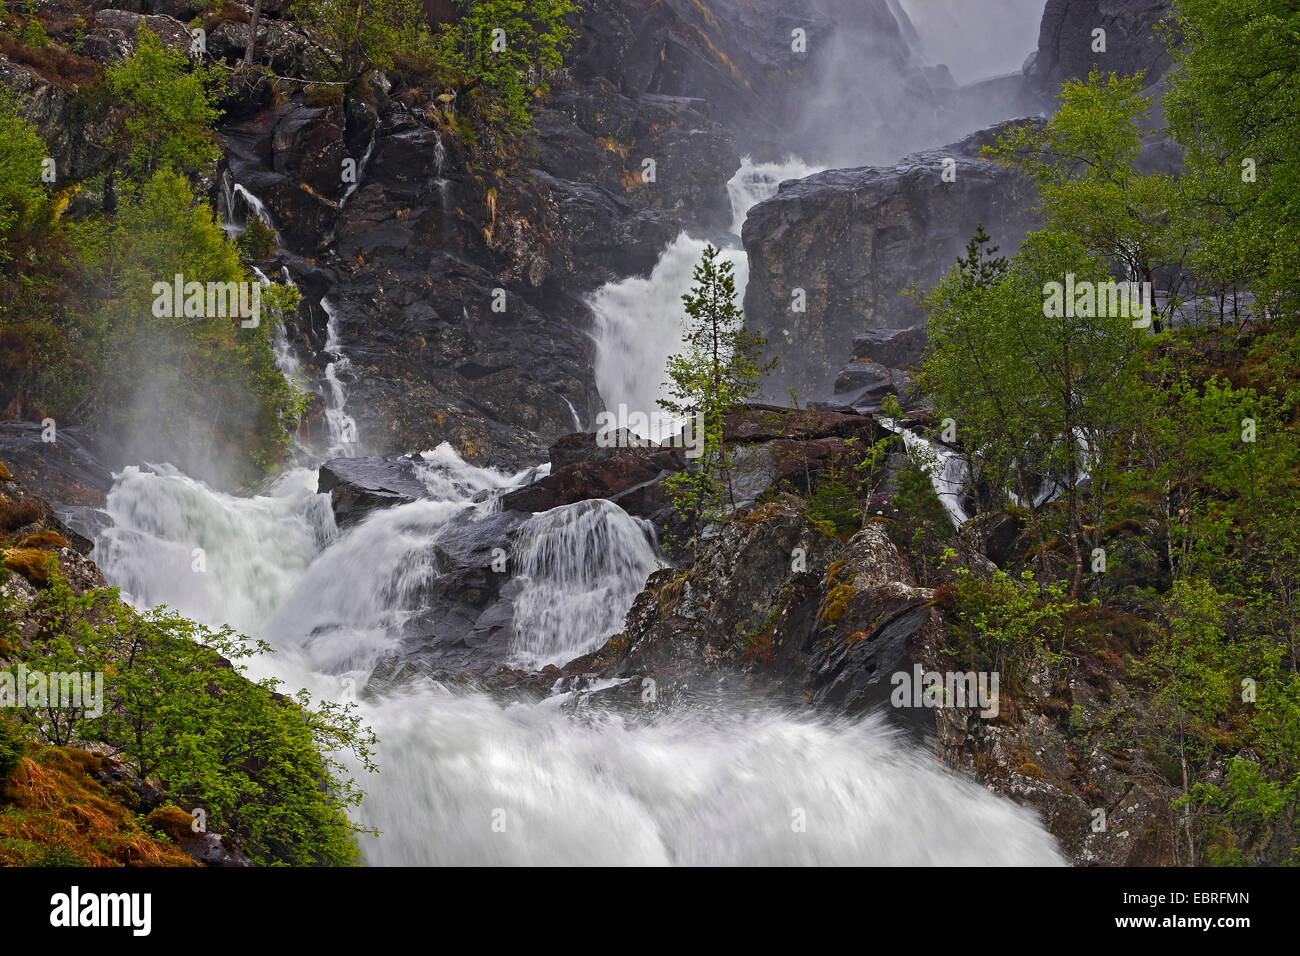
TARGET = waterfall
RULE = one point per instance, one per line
(577, 422)
(947, 470)
(756, 182)
(360, 172)
(250, 550)
(580, 568)
(639, 325)
(470, 783)
(341, 624)
(342, 426)
(639, 319)
(467, 779)
(715, 786)
(233, 205)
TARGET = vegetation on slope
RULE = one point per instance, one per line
(1174, 456)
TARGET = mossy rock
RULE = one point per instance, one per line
(32, 563)
(833, 606)
(5, 473)
(173, 821)
(44, 538)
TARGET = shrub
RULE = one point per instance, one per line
(12, 746)
(832, 508)
(180, 709)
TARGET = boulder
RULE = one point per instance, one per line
(629, 477)
(762, 423)
(893, 348)
(358, 486)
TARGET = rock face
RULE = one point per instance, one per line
(1066, 41)
(79, 149)
(1053, 753)
(758, 77)
(453, 284)
(67, 465)
(774, 607)
(850, 241)
(776, 600)
(455, 289)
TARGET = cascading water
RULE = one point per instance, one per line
(638, 325)
(342, 426)
(234, 203)
(756, 182)
(717, 787)
(639, 319)
(580, 567)
(470, 783)
(360, 171)
(467, 780)
(250, 550)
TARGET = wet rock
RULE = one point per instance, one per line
(629, 477)
(863, 385)
(112, 34)
(878, 622)
(77, 140)
(854, 239)
(893, 348)
(140, 796)
(213, 849)
(32, 526)
(771, 96)
(828, 629)
(1066, 40)
(757, 422)
(607, 237)
(358, 486)
(1052, 754)
(73, 470)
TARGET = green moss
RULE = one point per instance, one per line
(834, 605)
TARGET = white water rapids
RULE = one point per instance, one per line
(465, 779)
(724, 787)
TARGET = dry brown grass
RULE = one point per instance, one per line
(64, 69)
(52, 812)
(14, 514)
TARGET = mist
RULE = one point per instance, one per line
(893, 76)
(976, 39)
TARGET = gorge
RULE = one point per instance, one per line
(554, 672)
